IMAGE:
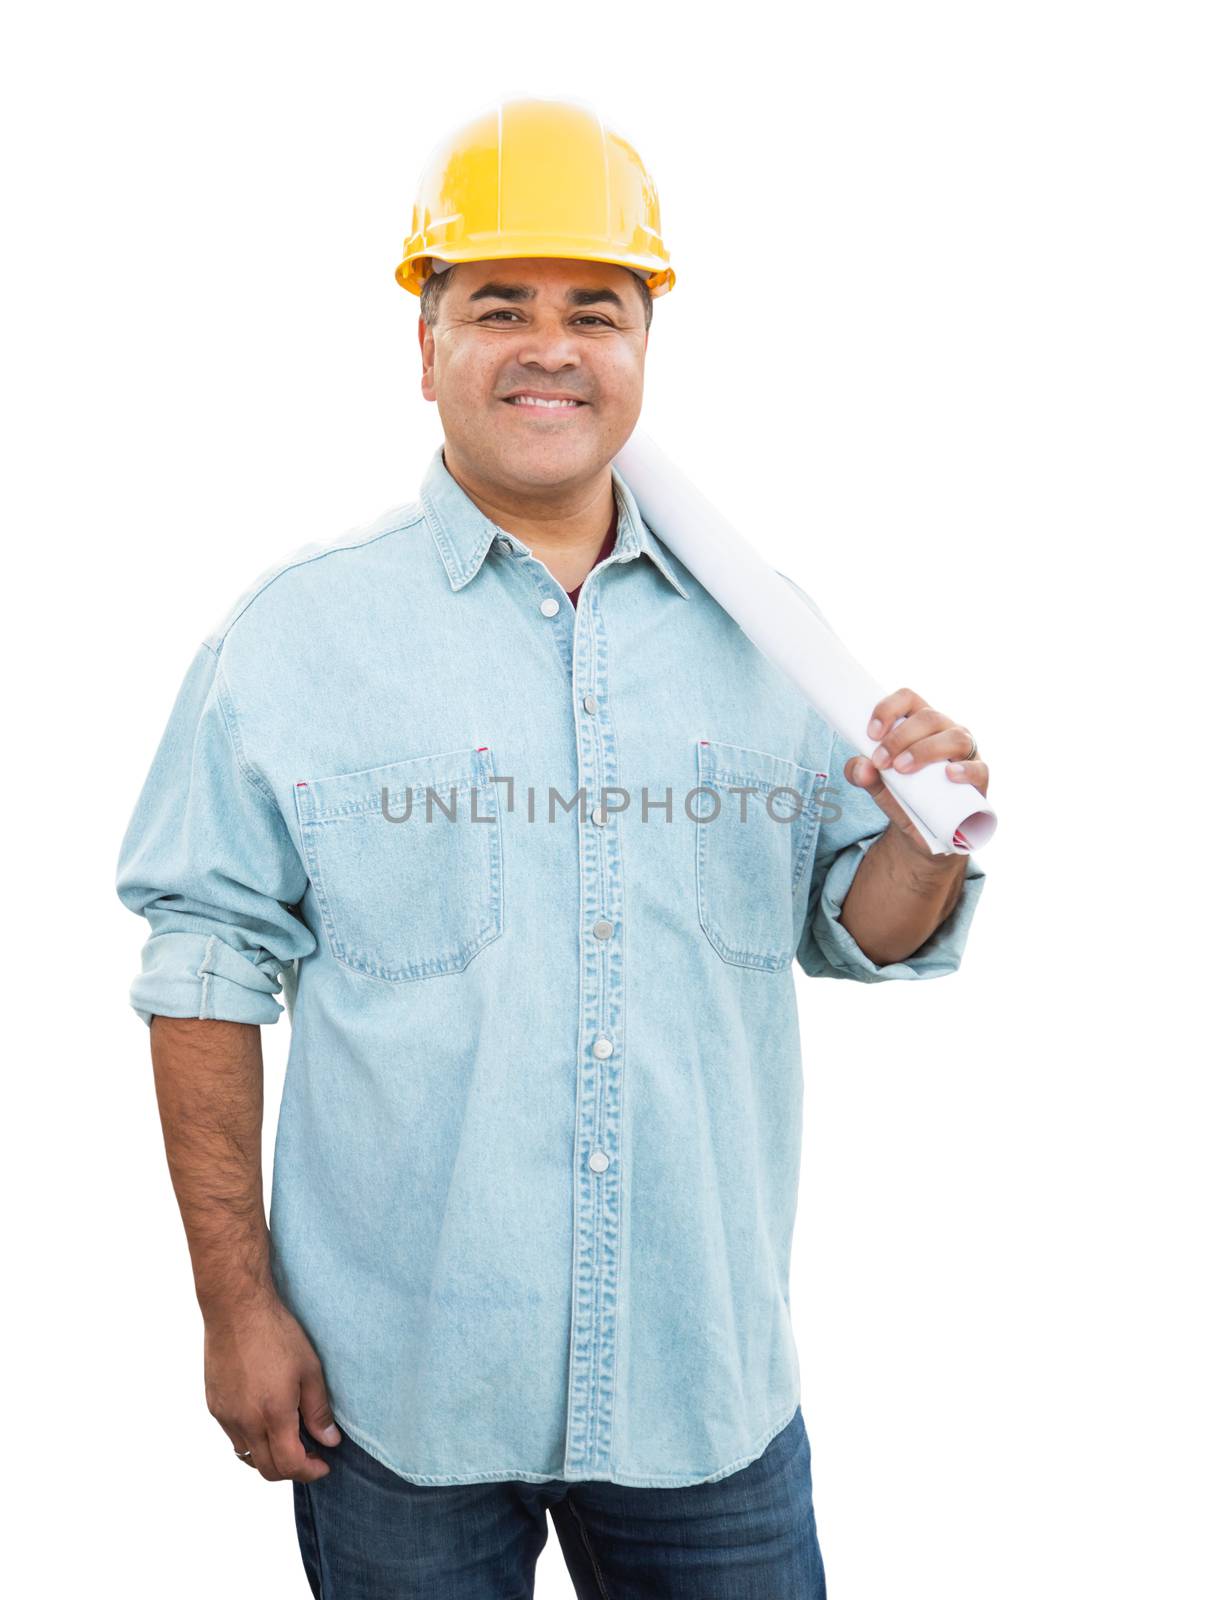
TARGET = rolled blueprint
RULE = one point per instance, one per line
(952, 818)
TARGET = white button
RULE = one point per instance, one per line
(504, 545)
(597, 1161)
(602, 1048)
(602, 930)
(599, 816)
(589, 703)
(550, 606)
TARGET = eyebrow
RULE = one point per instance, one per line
(523, 291)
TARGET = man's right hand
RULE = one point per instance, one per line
(263, 1378)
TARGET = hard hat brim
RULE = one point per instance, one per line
(416, 268)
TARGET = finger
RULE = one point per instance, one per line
(262, 1457)
(900, 703)
(237, 1440)
(915, 729)
(863, 774)
(972, 772)
(291, 1459)
(312, 1449)
(856, 769)
(315, 1410)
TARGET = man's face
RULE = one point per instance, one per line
(551, 327)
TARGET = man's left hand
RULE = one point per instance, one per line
(913, 736)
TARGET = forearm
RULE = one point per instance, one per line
(898, 898)
(209, 1091)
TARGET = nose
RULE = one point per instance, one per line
(548, 344)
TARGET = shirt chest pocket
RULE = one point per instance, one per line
(754, 850)
(405, 861)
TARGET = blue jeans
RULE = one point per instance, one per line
(365, 1532)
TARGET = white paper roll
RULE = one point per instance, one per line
(952, 818)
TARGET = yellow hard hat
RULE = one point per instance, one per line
(532, 177)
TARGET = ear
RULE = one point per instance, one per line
(426, 344)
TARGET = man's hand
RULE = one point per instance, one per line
(262, 1378)
(902, 893)
(261, 1372)
(913, 736)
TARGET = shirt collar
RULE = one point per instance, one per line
(463, 533)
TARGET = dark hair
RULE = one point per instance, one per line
(436, 282)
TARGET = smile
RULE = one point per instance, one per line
(537, 407)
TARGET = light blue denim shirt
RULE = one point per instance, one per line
(538, 1148)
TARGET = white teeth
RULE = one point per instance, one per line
(533, 400)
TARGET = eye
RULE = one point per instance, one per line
(590, 317)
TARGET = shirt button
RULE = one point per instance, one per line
(602, 1048)
(597, 1161)
(589, 703)
(602, 930)
(599, 816)
(549, 606)
(504, 545)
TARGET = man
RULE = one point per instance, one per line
(530, 836)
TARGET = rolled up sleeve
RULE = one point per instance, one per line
(850, 825)
(209, 862)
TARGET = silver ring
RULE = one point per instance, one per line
(243, 1454)
(974, 750)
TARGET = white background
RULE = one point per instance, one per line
(942, 346)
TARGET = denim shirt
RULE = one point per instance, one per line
(538, 1147)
